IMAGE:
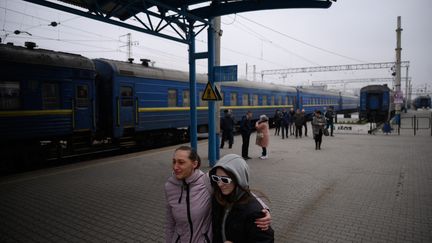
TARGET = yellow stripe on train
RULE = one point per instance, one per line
(167, 109)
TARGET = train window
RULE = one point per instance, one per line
(126, 96)
(245, 99)
(172, 98)
(272, 100)
(82, 99)
(186, 98)
(255, 100)
(233, 98)
(279, 100)
(50, 96)
(264, 100)
(9, 95)
(287, 101)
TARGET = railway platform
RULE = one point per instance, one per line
(358, 188)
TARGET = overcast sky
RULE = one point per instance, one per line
(349, 32)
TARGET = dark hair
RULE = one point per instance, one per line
(318, 111)
(193, 155)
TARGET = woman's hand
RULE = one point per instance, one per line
(264, 222)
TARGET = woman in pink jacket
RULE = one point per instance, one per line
(262, 136)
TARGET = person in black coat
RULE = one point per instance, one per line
(277, 121)
(285, 123)
(291, 122)
(227, 126)
(235, 208)
(246, 127)
(306, 119)
(298, 121)
(329, 115)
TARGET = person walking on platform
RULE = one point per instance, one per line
(285, 123)
(188, 194)
(245, 131)
(234, 206)
(262, 135)
(298, 121)
(329, 115)
(291, 122)
(277, 121)
(318, 123)
(227, 126)
(305, 122)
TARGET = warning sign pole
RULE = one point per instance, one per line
(211, 104)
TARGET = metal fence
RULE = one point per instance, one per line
(416, 123)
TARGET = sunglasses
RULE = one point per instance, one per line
(224, 179)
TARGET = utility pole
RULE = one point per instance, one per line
(407, 101)
(129, 45)
(398, 70)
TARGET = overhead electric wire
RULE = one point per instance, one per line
(261, 37)
(302, 42)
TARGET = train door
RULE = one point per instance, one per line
(83, 107)
(126, 105)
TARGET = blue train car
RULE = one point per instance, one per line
(44, 96)
(422, 102)
(313, 99)
(259, 98)
(349, 103)
(376, 103)
(144, 102)
(149, 103)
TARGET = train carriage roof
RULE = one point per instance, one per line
(374, 88)
(142, 71)
(19, 54)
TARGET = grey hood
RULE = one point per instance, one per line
(238, 167)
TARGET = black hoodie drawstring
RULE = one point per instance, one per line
(181, 193)
(183, 187)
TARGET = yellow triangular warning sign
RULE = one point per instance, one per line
(209, 93)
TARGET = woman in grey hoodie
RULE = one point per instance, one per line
(235, 208)
(188, 194)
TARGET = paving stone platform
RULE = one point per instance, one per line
(358, 188)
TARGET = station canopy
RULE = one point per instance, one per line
(125, 9)
(156, 16)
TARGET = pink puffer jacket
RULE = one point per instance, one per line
(188, 209)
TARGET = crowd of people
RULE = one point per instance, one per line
(286, 123)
